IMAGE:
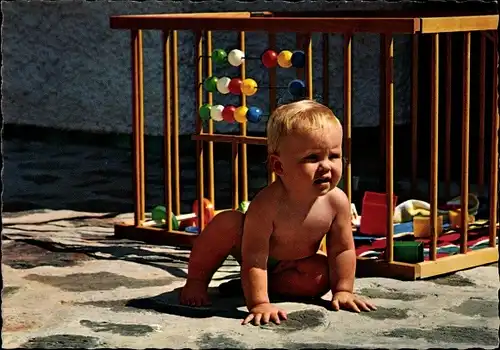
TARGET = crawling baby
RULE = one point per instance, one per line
(276, 241)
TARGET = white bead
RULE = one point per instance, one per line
(236, 57)
(216, 113)
(223, 85)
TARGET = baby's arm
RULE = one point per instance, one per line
(254, 254)
(255, 250)
(340, 246)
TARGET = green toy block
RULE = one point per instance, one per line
(408, 251)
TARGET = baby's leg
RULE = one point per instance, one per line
(221, 237)
(308, 277)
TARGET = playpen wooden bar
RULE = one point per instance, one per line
(482, 114)
(414, 111)
(198, 56)
(210, 144)
(243, 127)
(465, 145)
(167, 126)
(271, 38)
(447, 132)
(389, 141)
(495, 129)
(175, 96)
(347, 114)
(434, 143)
(138, 125)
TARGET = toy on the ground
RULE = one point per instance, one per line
(208, 210)
(244, 206)
(373, 212)
(159, 216)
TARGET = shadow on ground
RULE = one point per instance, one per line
(169, 303)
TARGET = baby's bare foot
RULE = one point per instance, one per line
(194, 293)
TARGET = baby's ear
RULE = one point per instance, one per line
(275, 164)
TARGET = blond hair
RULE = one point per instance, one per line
(300, 116)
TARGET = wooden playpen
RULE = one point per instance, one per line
(436, 28)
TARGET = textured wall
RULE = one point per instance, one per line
(64, 67)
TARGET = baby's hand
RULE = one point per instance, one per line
(347, 300)
(265, 312)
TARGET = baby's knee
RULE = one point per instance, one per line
(318, 271)
(230, 220)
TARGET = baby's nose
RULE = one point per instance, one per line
(325, 165)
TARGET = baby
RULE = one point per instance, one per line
(277, 241)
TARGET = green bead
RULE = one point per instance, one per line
(175, 222)
(244, 206)
(210, 84)
(219, 56)
(205, 111)
(159, 214)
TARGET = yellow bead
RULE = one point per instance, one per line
(240, 114)
(249, 87)
(285, 59)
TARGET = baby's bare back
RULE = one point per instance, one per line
(297, 230)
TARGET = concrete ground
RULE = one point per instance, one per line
(69, 284)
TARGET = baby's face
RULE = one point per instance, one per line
(312, 162)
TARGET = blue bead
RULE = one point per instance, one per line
(298, 59)
(297, 87)
(254, 114)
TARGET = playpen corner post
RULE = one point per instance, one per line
(138, 125)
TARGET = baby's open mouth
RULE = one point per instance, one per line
(322, 180)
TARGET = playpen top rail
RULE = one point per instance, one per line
(269, 24)
(267, 21)
(458, 24)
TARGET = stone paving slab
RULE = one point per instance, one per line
(69, 284)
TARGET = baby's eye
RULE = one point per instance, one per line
(311, 158)
(334, 156)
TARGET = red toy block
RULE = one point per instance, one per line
(373, 213)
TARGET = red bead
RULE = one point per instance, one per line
(269, 58)
(228, 114)
(235, 86)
